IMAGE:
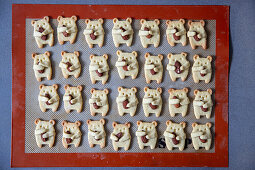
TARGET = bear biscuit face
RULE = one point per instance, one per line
(125, 92)
(45, 125)
(178, 60)
(177, 128)
(202, 62)
(176, 25)
(67, 22)
(122, 24)
(99, 94)
(150, 25)
(41, 58)
(197, 26)
(72, 58)
(71, 128)
(152, 93)
(96, 126)
(178, 94)
(203, 95)
(148, 127)
(154, 60)
(129, 58)
(120, 129)
(94, 25)
(50, 90)
(42, 24)
(73, 91)
(99, 60)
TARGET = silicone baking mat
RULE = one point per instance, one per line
(32, 110)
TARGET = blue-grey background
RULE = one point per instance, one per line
(241, 77)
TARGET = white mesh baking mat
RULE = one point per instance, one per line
(32, 88)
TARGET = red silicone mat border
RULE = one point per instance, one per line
(21, 159)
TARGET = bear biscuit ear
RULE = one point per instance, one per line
(63, 53)
(33, 22)
(209, 91)
(154, 123)
(157, 21)
(209, 58)
(134, 53)
(168, 22)
(194, 125)
(183, 124)
(101, 20)
(138, 123)
(160, 56)
(46, 18)
(33, 55)
(37, 121)
(106, 91)
(41, 86)
(186, 89)
(182, 21)
(168, 122)
(195, 92)
(77, 53)
(64, 123)
(209, 124)
(119, 89)
(102, 121)
(195, 57)
(66, 86)
(159, 90)
(202, 22)
(170, 90)
(184, 54)
(142, 21)
(47, 53)
(169, 55)
(88, 121)
(105, 56)
(59, 18)
(147, 55)
(129, 20)
(115, 20)
(128, 124)
(189, 23)
(52, 122)
(91, 56)
(118, 52)
(146, 89)
(74, 18)
(55, 86)
(87, 21)
(114, 124)
(79, 87)
(78, 123)
(134, 89)
(92, 91)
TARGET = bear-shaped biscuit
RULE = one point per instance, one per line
(120, 136)
(42, 66)
(127, 101)
(147, 134)
(178, 101)
(96, 133)
(127, 64)
(73, 98)
(70, 64)
(71, 133)
(99, 102)
(98, 68)
(94, 32)
(202, 69)
(67, 29)
(176, 32)
(153, 68)
(201, 136)
(45, 132)
(43, 32)
(197, 35)
(203, 103)
(48, 97)
(152, 101)
(149, 33)
(122, 32)
(178, 66)
(174, 135)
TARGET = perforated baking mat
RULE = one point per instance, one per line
(32, 110)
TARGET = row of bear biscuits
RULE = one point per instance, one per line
(146, 134)
(122, 32)
(127, 101)
(127, 65)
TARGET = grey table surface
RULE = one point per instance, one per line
(241, 82)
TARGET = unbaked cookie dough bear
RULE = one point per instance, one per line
(178, 66)
(201, 136)
(149, 33)
(94, 32)
(147, 134)
(48, 97)
(120, 136)
(99, 102)
(98, 68)
(43, 32)
(70, 64)
(67, 29)
(202, 69)
(152, 101)
(153, 68)
(197, 35)
(122, 32)
(175, 135)
(73, 98)
(178, 101)
(96, 134)
(42, 66)
(203, 103)
(45, 132)
(127, 101)
(71, 133)
(176, 32)
(127, 64)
